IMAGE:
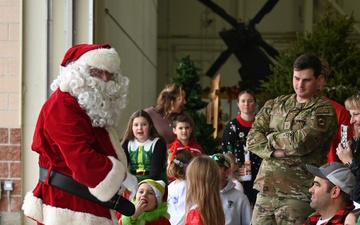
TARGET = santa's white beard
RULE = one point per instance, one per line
(101, 100)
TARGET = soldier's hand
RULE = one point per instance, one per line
(277, 153)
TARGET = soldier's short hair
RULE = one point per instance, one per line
(308, 61)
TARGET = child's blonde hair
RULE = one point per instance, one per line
(233, 165)
(353, 103)
(203, 189)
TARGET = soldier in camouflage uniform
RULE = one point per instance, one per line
(288, 133)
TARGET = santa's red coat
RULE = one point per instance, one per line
(67, 142)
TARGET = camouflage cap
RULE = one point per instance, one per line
(337, 173)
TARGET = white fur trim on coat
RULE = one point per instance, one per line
(117, 146)
(35, 209)
(108, 187)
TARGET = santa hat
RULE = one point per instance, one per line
(102, 57)
(159, 187)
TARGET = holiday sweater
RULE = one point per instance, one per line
(233, 140)
(149, 156)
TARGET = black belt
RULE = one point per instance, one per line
(139, 172)
(67, 183)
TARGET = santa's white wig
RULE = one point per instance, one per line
(102, 100)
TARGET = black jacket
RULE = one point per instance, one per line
(355, 168)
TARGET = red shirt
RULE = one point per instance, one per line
(194, 217)
(195, 148)
(337, 219)
(343, 117)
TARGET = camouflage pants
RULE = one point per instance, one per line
(281, 211)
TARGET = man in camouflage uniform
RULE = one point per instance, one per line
(288, 133)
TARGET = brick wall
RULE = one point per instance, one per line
(9, 63)
(10, 168)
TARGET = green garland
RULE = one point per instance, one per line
(155, 214)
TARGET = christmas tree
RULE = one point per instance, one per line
(328, 40)
(189, 79)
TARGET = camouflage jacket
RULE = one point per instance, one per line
(304, 131)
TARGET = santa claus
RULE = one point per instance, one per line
(83, 169)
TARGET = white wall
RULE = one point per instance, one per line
(131, 27)
(34, 86)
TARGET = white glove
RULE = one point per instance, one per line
(131, 184)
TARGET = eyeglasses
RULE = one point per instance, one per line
(94, 72)
(220, 160)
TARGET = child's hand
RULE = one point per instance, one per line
(141, 205)
(139, 208)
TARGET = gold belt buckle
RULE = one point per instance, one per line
(140, 172)
(117, 201)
